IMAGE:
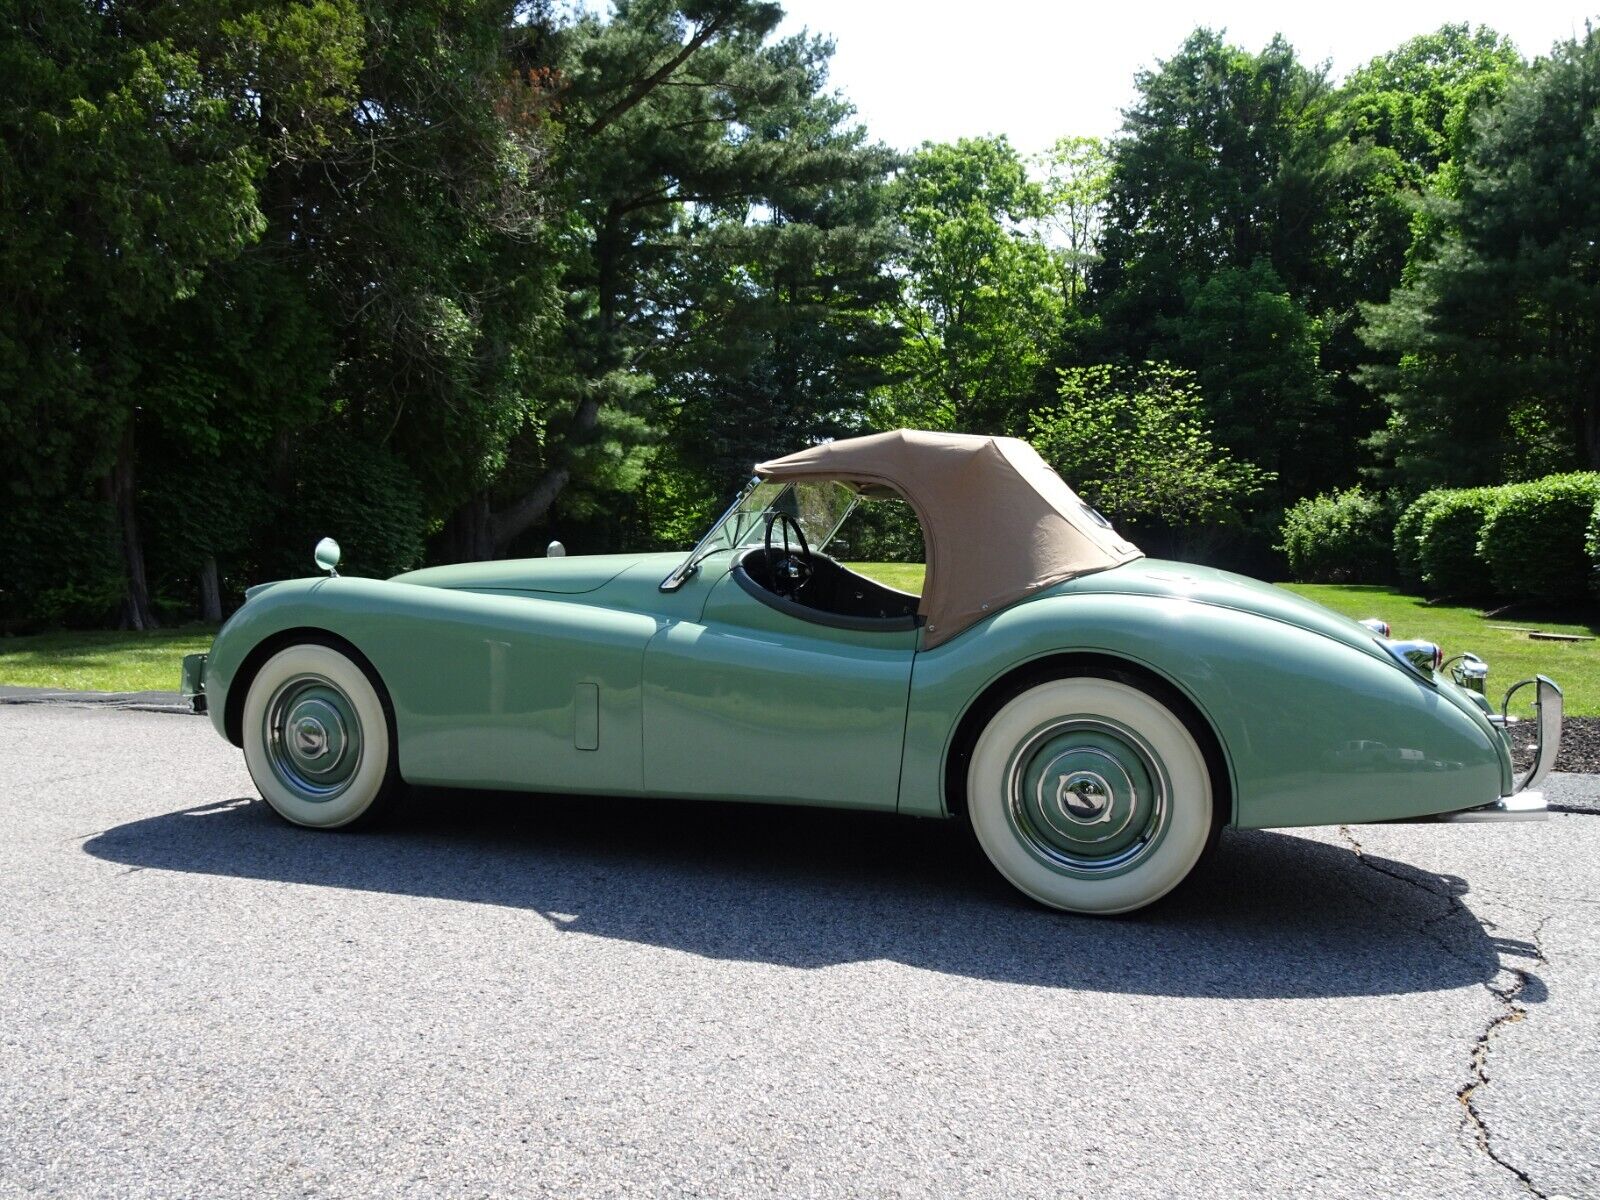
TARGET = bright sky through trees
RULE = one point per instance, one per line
(1037, 69)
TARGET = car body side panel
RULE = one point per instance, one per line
(1315, 731)
(485, 687)
(749, 703)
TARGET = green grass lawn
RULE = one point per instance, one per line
(101, 661)
(131, 662)
(905, 577)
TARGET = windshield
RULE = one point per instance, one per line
(820, 507)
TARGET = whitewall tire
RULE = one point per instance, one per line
(317, 739)
(1090, 795)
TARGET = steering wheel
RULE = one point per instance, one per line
(793, 569)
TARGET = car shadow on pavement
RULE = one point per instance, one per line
(1269, 915)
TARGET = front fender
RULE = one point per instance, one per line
(509, 691)
(1315, 731)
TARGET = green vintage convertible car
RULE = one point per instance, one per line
(1095, 715)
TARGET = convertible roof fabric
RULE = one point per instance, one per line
(998, 523)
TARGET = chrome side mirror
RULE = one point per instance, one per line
(326, 556)
(555, 550)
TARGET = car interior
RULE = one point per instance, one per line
(830, 591)
(786, 574)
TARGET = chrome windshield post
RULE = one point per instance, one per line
(686, 568)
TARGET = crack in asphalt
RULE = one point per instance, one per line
(1511, 1011)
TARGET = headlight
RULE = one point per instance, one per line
(1422, 657)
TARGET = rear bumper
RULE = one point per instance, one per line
(194, 681)
(1523, 806)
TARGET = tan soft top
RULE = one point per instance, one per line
(997, 522)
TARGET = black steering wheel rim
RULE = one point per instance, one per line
(792, 570)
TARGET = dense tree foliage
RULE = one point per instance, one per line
(440, 278)
(979, 303)
(1493, 345)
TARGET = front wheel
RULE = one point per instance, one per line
(1090, 795)
(317, 738)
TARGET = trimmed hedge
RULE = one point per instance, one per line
(1535, 539)
(1338, 537)
(1447, 548)
(1592, 544)
(1408, 537)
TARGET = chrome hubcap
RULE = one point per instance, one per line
(1087, 796)
(313, 738)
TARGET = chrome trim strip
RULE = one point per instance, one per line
(1523, 806)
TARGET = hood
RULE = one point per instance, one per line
(569, 575)
(1154, 577)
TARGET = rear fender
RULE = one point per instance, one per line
(1314, 731)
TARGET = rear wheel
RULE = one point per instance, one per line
(1090, 795)
(317, 738)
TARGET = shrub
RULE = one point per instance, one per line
(1408, 536)
(1447, 547)
(1534, 541)
(1592, 544)
(1338, 537)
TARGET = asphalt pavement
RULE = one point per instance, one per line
(533, 996)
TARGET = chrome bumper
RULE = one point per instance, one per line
(194, 681)
(1524, 803)
(1523, 806)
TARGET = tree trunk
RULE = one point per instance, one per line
(1589, 432)
(118, 486)
(210, 591)
(469, 532)
(532, 508)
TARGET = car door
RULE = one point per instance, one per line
(750, 703)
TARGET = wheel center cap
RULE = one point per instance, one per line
(315, 736)
(310, 738)
(1084, 797)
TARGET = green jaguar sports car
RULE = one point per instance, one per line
(1096, 715)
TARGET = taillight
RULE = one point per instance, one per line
(1422, 657)
(1381, 628)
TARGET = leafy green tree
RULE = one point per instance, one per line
(1134, 443)
(1407, 117)
(782, 333)
(1254, 352)
(1490, 354)
(1215, 249)
(1076, 184)
(123, 174)
(979, 302)
(1222, 160)
(701, 167)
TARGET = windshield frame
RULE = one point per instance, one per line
(709, 544)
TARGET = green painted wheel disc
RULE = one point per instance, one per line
(1087, 796)
(313, 738)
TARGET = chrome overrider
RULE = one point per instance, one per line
(193, 682)
(1525, 803)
